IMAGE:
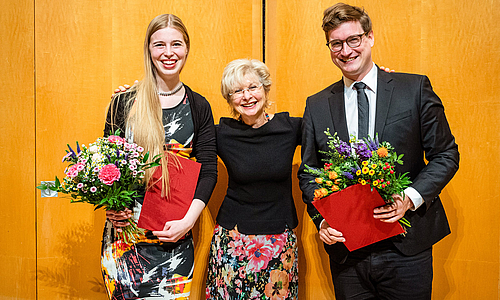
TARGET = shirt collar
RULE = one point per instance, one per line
(370, 80)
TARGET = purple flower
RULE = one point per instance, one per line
(362, 151)
(348, 175)
(343, 148)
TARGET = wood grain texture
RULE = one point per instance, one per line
(17, 150)
(62, 59)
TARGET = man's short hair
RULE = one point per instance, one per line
(340, 13)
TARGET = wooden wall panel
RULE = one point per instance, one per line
(453, 43)
(17, 150)
(81, 50)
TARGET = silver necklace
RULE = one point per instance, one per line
(170, 93)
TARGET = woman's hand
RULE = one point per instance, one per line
(119, 218)
(174, 230)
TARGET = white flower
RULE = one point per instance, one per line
(96, 157)
(93, 149)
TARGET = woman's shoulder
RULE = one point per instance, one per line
(196, 97)
(285, 116)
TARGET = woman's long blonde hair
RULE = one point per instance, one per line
(145, 114)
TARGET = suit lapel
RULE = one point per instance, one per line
(337, 109)
(384, 95)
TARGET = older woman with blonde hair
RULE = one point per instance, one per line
(253, 253)
(158, 112)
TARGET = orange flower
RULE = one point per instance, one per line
(382, 152)
(332, 175)
(277, 288)
(335, 188)
(319, 180)
(320, 193)
(288, 258)
(329, 183)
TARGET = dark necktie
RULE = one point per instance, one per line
(363, 110)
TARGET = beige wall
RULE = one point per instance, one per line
(62, 59)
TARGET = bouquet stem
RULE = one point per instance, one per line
(130, 233)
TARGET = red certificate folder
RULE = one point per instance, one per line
(157, 210)
(350, 211)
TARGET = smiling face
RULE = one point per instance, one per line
(168, 52)
(354, 63)
(250, 105)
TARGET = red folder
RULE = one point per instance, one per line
(350, 211)
(157, 210)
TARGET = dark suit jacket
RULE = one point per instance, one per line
(410, 116)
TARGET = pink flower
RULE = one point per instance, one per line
(116, 139)
(72, 172)
(79, 186)
(259, 252)
(235, 248)
(109, 174)
(93, 189)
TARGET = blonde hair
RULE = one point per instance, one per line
(145, 113)
(234, 75)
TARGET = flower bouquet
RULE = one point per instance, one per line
(365, 162)
(109, 174)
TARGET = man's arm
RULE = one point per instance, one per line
(439, 145)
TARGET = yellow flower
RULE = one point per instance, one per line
(365, 170)
(374, 166)
(358, 172)
(332, 175)
(375, 183)
(382, 152)
(363, 182)
(371, 172)
(365, 163)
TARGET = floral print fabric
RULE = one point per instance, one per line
(252, 266)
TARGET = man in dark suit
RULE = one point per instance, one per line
(403, 110)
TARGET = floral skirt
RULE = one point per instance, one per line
(147, 269)
(252, 266)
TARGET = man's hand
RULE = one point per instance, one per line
(329, 235)
(386, 69)
(392, 212)
(122, 88)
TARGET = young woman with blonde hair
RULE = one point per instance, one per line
(157, 113)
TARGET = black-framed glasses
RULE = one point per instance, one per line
(238, 94)
(353, 41)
